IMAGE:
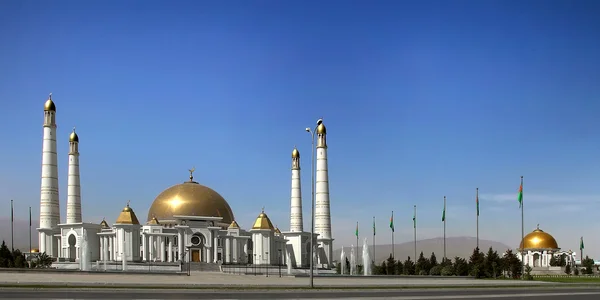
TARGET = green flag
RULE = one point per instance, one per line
(373, 226)
(581, 247)
(520, 198)
(477, 201)
(444, 215)
(392, 222)
(356, 233)
(414, 221)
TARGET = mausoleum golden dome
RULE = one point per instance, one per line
(190, 199)
(538, 239)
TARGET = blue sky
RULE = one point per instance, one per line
(421, 99)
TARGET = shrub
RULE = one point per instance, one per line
(447, 271)
(436, 271)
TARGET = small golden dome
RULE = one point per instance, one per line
(104, 225)
(234, 225)
(49, 105)
(127, 216)
(295, 153)
(190, 199)
(154, 221)
(263, 222)
(538, 239)
(73, 137)
(321, 129)
(34, 250)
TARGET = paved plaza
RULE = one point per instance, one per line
(216, 279)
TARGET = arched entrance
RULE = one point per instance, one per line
(72, 251)
(197, 248)
(536, 260)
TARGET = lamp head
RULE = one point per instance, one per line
(319, 121)
(307, 129)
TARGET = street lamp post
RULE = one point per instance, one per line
(312, 206)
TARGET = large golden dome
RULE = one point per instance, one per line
(190, 199)
(538, 239)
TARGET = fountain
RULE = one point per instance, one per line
(366, 259)
(352, 261)
(84, 259)
(343, 262)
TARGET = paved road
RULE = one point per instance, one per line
(474, 294)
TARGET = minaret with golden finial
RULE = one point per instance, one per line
(296, 222)
(322, 208)
(74, 186)
(49, 200)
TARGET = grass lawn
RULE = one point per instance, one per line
(569, 279)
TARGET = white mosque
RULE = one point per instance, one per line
(187, 222)
(538, 247)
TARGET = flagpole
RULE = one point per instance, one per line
(477, 199)
(393, 250)
(522, 232)
(373, 239)
(415, 229)
(444, 227)
(581, 249)
(12, 221)
(30, 229)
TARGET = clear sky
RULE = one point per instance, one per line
(421, 99)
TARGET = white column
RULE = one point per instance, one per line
(209, 258)
(215, 249)
(151, 248)
(296, 223)
(162, 248)
(227, 256)
(144, 250)
(101, 248)
(170, 249)
(73, 187)
(42, 242)
(180, 244)
(236, 252)
(49, 198)
(105, 239)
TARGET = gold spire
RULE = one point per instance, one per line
(321, 129)
(192, 173)
(295, 153)
(49, 105)
(127, 216)
(73, 138)
(234, 225)
(263, 221)
(103, 224)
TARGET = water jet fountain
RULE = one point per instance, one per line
(366, 257)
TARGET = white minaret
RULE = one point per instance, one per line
(296, 223)
(322, 208)
(49, 201)
(74, 187)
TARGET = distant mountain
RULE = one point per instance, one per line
(455, 246)
(21, 236)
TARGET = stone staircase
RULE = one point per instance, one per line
(203, 267)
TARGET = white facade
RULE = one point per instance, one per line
(322, 205)
(540, 258)
(74, 186)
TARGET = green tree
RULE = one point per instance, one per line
(422, 265)
(19, 259)
(390, 266)
(44, 261)
(528, 270)
(512, 264)
(588, 264)
(553, 261)
(461, 266)
(381, 269)
(476, 267)
(6, 258)
(436, 271)
(448, 270)
(568, 269)
(399, 268)
(576, 271)
(433, 260)
(562, 261)
(490, 264)
(347, 266)
(408, 267)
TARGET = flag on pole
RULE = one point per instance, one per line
(392, 222)
(581, 246)
(444, 215)
(356, 233)
(373, 225)
(520, 198)
(30, 216)
(12, 212)
(477, 203)
(414, 220)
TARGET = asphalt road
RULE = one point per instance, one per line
(502, 293)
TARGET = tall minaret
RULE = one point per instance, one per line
(74, 187)
(322, 208)
(296, 223)
(49, 201)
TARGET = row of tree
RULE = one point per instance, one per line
(16, 259)
(587, 264)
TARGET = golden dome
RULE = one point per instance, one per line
(321, 129)
(234, 225)
(104, 225)
(127, 216)
(73, 137)
(190, 199)
(263, 222)
(49, 105)
(539, 239)
(295, 153)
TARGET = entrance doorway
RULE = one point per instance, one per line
(72, 251)
(195, 255)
